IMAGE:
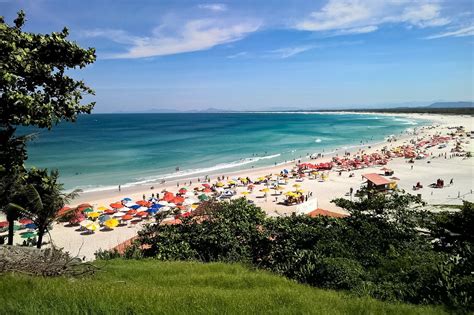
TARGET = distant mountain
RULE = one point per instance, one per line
(452, 105)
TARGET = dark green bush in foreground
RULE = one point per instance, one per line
(378, 251)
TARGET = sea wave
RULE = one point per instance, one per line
(318, 140)
(184, 173)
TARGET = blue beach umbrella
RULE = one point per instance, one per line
(31, 226)
(104, 218)
(156, 206)
(152, 210)
(135, 207)
(127, 199)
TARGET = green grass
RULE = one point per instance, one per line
(147, 286)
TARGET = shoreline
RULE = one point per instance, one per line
(135, 187)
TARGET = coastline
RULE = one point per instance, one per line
(212, 171)
(322, 192)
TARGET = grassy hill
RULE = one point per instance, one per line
(148, 286)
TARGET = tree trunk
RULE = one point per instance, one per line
(40, 238)
(11, 230)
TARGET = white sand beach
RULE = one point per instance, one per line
(425, 171)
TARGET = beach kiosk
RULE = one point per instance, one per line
(376, 182)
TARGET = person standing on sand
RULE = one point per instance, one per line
(120, 188)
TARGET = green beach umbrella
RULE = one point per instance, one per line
(203, 197)
(88, 210)
(28, 235)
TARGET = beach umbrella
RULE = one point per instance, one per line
(92, 227)
(142, 209)
(178, 199)
(25, 221)
(93, 215)
(102, 208)
(152, 210)
(135, 207)
(189, 194)
(86, 222)
(265, 190)
(109, 211)
(3, 224)
(83, 206)
(194, 206)
(116, 205)
(111, 223)
(118, 215)
(206, 185)
(77, 219)
(297, 185)
(156, 206)
(207, 190)
(28, 235)
(183, 190)
(203, 197)
(163, 203)
(127, 199)
(130, 204)
(171, 205)
(143, 203)
(88, 210)
(31, 226)
(142, 214)
(127, 217)
(220, 184)
(104, 218)
(245, 193)
(131, 212)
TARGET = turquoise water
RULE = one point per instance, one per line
(105, 150)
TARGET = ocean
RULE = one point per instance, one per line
(102, 151)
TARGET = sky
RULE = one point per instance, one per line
(267, 54)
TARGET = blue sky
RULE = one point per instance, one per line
(258, 55)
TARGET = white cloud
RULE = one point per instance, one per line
(194, 35)
(216, 7)
(239, 55)
(364, 16)
(358, 30)
(283, 53)
(462, 32)
(424, 15)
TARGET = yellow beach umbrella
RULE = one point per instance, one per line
(194, 206)
(243, 180)
(93, 215)
(290, 194)
(245, 193)
(261, 179)
(111, 223)
(102, 208)
(280, 188)
(297, 185)
(231, 182)
(220, 184)
(265, 190)
(92, 226)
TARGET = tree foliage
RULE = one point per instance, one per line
(377, 251)
(35, 90)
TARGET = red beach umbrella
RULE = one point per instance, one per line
(142, 214)
(132, 212)
(83, 206)
(109, 211)
(3, 224)
(116, 205)
(25, 221)
(127, 217)
(143, 203)
(206, 185)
